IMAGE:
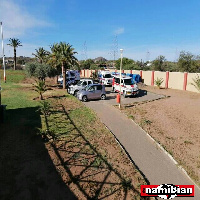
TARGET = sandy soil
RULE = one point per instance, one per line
(89, 159)
(87, 164)
(175, 123)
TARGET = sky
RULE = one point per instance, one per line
(144, 29)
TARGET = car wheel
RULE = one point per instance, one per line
(124, 94)
(84, 98)
(103, 97)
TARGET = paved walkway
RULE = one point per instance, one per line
(151, 160)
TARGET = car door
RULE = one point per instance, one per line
(91, 92)
(89, 82)
(98, 91)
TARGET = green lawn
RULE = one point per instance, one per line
(83, 146)
(12, 94)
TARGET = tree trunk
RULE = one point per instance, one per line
(56, 79)
(15, 59)
(64, 76)
(41, 97)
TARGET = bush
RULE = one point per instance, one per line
(196, 83)
(40, 71)
(159, 82)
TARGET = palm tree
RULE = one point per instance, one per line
(14, 42)
(63, 54)
(40, 88)
(41, 54)
(54, 58)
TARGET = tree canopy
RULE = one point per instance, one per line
(41, 54)
(14, 42)
(40, 71)
(187, 62)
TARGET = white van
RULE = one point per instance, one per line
(128, 88)
(72, 77)
(105, 77)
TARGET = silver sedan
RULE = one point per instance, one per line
(92, 91)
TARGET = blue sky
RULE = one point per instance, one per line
(159, 27)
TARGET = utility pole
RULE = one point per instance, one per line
(3, 53)
(121, 53)
(115, 49)
(85, 51)
(4, 67)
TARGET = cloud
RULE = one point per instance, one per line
(119, 31)
(16, 19)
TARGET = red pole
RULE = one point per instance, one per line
(185, 81)
(84, 73)
(167, 80)
(87, 73)
(141, 73)
(152, 78)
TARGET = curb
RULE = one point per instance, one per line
(129, 157)
(169, 155)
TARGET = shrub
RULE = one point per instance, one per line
(40, 88)
(159, 82)
(196, 83)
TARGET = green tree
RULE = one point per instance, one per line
(125, 61)
(41, 54)
(40, 71)
(86, 64)
(187, 62)
(159, 63)
(14, 42)
(40, 88)
(63, 54)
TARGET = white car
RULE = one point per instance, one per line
(73, 89)
(105, 77)
(128, 88)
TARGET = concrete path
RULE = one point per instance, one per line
(142, 96)
(151, 160)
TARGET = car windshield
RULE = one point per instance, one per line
(107, 76)
(79, 83)
(128, 82)
(87, 87)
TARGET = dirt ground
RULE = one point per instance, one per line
(174, 122)
(86, 164)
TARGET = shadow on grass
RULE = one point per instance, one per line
(27, 171)
(87, 168)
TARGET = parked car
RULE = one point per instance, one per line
(105, 77)
(128, 88)
(72, 77)
(92, 91)
(73, 89)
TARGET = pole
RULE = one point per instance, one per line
(4, 72)
(121, 51)
(0, 75)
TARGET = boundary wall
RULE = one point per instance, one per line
(173, 80)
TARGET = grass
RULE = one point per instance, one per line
(86, 141)
(12, 93)
(188, 142)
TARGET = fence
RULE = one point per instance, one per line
(173, 80)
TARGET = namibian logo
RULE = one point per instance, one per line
(167, 191)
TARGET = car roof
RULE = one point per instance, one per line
(86, 79)
(124, 77)
(95, 84)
